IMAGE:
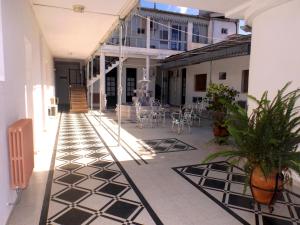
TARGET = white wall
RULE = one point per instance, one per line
(233, 68)
(29, 66)
(275, 49)
(216, 28)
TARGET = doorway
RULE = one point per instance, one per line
(183, 85)
(130, 83)
(111, 88)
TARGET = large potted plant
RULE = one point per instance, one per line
(218, 93)
(265, 143)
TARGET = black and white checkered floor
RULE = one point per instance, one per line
(88, 185)
(166, 145)
(224, 185)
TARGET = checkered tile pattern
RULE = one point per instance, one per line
(165, 145)
(88, 187)
(224, 184)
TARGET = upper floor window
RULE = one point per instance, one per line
(140, 30)
(163, 34)
(224, 31)
(200, 32)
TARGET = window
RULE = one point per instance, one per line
(200, 32)
(140, 31)
(200, 82)
(222, 76)
(163, 34)
(224, 31)
(245, 81)
(141, 27)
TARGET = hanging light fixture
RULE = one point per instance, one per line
(78, 8)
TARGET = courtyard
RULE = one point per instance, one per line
(154, 177)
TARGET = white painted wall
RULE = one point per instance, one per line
(215, 28)
(275, 49)
(19, 24)
(233, 68)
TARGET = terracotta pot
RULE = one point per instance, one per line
(263, 188)
(220, 131)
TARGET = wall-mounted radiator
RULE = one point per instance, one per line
(21, 152)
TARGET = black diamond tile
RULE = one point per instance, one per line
(70, 166)
(238, 178)
(94, 148)
(179, 146)
(241, 201)
(121, 209)
(112, 189)
(214, 184)
(69, 150)
(101, 163)
(90, 142)
(219, 167)
(97, 155)
(72, 195)
(275, 221)
(152, 143)
(170, 141)
(159, 148)
(69, 157)
(298, 211)
(73, 217)
(105, 174)
(194, 170)
(71, 178)
(279, 197)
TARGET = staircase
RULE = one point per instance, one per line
(78, 102)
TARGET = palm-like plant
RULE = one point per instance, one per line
(268, 137)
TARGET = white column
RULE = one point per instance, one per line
(102, 81)
(92, 85)
(120, 83)
(148, 47)
(274, 55)
(190, 36)
(148, 33)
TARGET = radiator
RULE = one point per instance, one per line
(21, 153)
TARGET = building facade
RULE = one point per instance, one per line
(149, 36)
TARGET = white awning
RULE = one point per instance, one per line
(71, 34)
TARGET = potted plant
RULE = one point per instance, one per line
(217, 93)
(265, 142)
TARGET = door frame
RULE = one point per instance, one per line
(130, 73)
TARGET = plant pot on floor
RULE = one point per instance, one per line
(265, 189)
(220, 131)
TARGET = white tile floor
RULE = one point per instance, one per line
(175, 201)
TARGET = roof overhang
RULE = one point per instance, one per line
(77, 35)
(235, 46)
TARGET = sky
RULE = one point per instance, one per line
(184, 10)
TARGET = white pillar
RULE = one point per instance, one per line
(274, 49)
(120, 82)
(190, 36)
(147, 69)
(148, 33)
(92, 85)
(102, 81)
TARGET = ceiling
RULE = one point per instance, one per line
(77, 35)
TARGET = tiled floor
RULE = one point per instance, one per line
(224, 184)
(96, 181)
(88, 185)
